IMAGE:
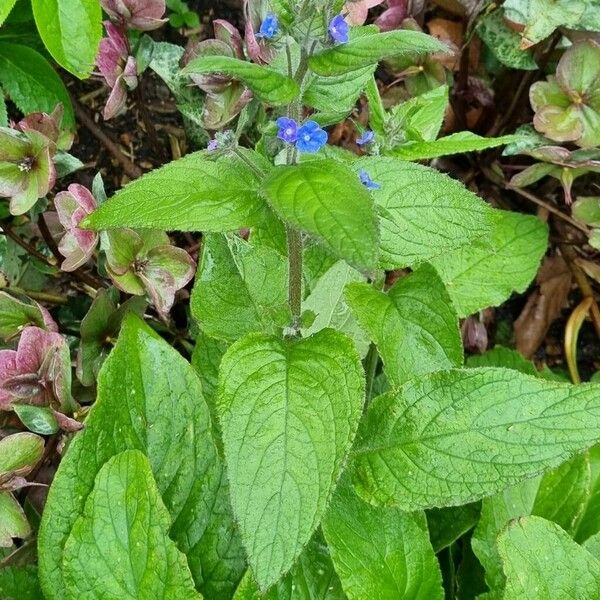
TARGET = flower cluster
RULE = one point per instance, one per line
(118, 68)
(308, 137)
(27, 171)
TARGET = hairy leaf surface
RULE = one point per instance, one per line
(423, 213)
(542, 561)
(288, 411)
(149, 399)
(326, 199)
(267, 85)
(370, 49)
(488, 271)
(239, 289)
(453, 437)
(380, 552)
(119, 547)
(194, 193)
(413, 325)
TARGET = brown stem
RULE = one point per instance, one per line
(9, 233)
(132, 171)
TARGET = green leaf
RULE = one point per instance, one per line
(3, 110)
(327, 302)
(119, 547)
(370, 49)
(194, 193)
(5, 9)
(421, 117)
(542, 17)
(587, 210)
(312, 578)
(446, 525)
(149, 399)
(39, 419)
(414, 325)
(31, 83)
(503, 42)
(486, 272)
(589, 524)
(503, 357)
(206, 359)
(326, 199)
(541, 561)
(437, 440)
(13, 522)
(240, 289)
(19, 583)
(16, 314)
(20, 452)
(423, 213)
(456, 143)
(289, 410)
(268, 85)
(592, 545)
(337, 94)
(380, 552)
(496, 513)
(71, 31)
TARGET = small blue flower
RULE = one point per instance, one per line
(368, 182)
(288, 130)
(365, 138)
(212, 145)
(269, 27)
(339, 30)
(311, 138)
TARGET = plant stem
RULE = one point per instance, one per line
(294, 243)
(250, 164)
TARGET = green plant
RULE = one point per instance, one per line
(329, 438)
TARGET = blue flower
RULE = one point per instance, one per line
(311, 138)
(212, 145)
(269, 27)
(288, 130)
(365, 138)
(368, 182)
(339, 30)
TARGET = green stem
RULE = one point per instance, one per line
(248, 162)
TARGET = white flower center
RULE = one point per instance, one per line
(307, 138)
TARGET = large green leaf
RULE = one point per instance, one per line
(289, 410)
(267, 85)
(240, 289)
(423, 213)
(326, 199)
(149, 399)
(328, 304)
(456, 143)
(589, 524)
(194, 193)
(414, 325)
(452, 437)
(5, 9)
(31, 83)
(119, 547)
(370, 49)
(542, 561)
(486, 272)
(71, 31)
(312, 578)
(380, 552)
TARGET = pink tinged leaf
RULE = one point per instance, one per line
(34, 346)
(65, 205)
(59, 373)
(130, 73)
(67, 423)
(357, 10)
(49, 322)
(226, 32)
(108, 61)
(391, 18)
(8, 369)
(117, 38)
(117, 100)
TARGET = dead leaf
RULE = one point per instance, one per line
(543, 305)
